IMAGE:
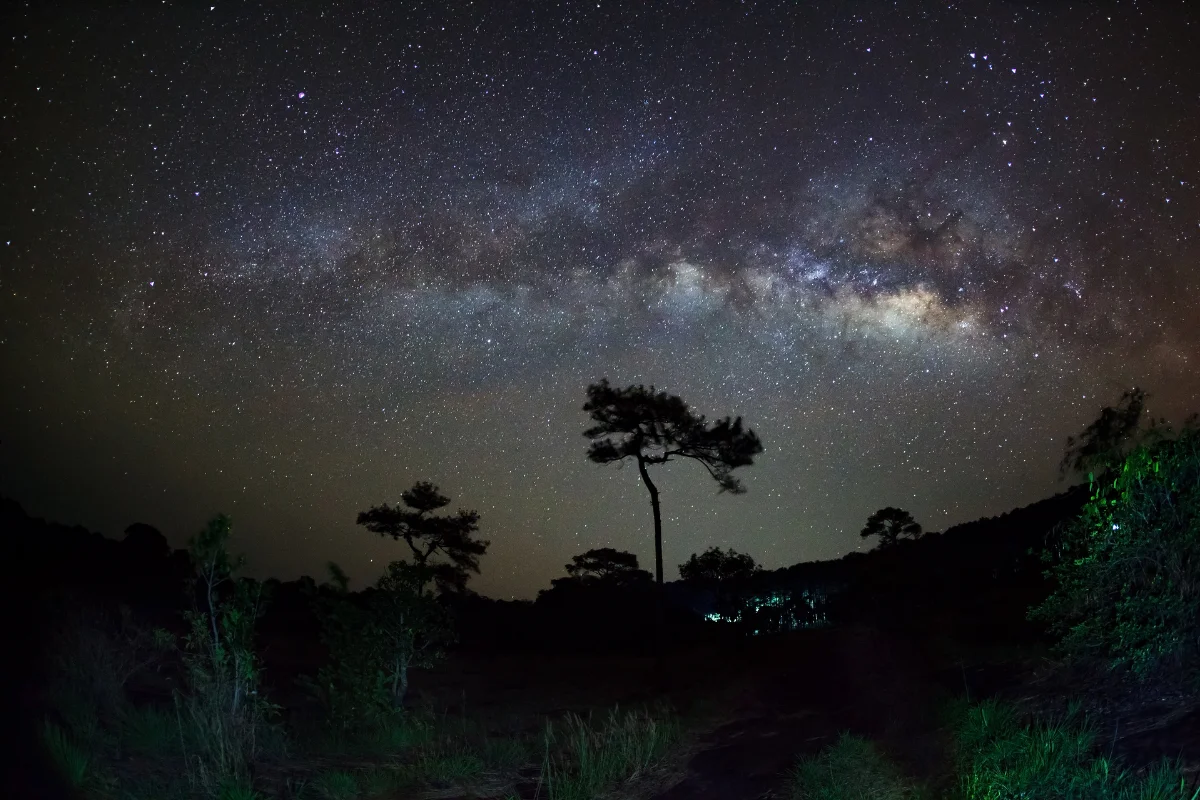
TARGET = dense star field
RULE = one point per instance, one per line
(285, 260)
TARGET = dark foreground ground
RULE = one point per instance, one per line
(752, 708)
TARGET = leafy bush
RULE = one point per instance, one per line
(221, 712)
(999, 758)
(352, 686)
(850, 769)
(374, 639)
(1128, 569)
(583, 759)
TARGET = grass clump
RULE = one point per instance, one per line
(998, 757)
(380, 781)
(850, 769)
(397, 733)
(237, 790)
(71, 761)
(506, 752)
(440, 766)
(584, 758)
(336, 785)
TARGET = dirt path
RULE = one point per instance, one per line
(863, 682)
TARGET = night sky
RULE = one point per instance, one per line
(283, 261)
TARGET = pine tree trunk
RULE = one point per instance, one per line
(660, 593)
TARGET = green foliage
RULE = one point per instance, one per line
(91, 724)
(374, 639)
(403, 732)
(336, 785)
(850, 769)
(71, 760)
(443, 765)
(221, 713)
(380, 782)
(352, 686)
(1128, 569)
(81, 719)
(999, 758)
(505, 752)
(584, 759)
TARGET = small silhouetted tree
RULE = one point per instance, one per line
(1108, 438)
(655, 428)
(715, 566)
(605, 565)
(891, 525)
(450, 537)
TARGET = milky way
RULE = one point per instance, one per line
(285, 260)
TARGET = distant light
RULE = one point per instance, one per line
(301, 95)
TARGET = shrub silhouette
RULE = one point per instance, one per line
(715, 566)
(605, 565)
(891, 525)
